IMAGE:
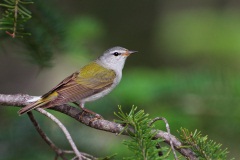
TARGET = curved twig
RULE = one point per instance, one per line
(65, 131)
(169, 133)
(59, 152)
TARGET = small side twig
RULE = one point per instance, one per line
(59, 152)
(168, 131)
(65, 131)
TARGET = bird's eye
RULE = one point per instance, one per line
(116, 54)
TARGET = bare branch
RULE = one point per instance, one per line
(59, 152)
(65, 131)
(15, 100)
(100, 124)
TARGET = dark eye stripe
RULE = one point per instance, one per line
(116, 54)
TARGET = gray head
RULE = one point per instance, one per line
(114, 58)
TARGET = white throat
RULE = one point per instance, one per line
(116, 66)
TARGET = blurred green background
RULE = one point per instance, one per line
(187, 70)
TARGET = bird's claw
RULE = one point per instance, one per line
(90, 113)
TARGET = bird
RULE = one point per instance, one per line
(93, 81)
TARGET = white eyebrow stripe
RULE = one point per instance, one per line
(119, 51)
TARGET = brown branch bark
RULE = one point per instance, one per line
(100, 124)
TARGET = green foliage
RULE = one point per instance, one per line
(84, 34)
(47, 34)
(46, 29)
(205, 149)
(111, 157)
(201, 31)
(141, 143)
(14, 17)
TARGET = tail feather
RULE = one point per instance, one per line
(32, 106)
(42, 102)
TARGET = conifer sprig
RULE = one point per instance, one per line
(204, 148)
(141, 133)
(14, 16)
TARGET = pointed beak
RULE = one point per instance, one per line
(128, 53)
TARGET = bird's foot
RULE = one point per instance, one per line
(89, 112)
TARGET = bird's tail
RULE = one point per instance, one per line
(33, 105)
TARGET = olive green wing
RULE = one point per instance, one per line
(91, 80)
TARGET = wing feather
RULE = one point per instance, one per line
(80, 85)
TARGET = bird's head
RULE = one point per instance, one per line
(114, 58)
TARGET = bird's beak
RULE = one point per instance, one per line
(130, 52)
(127, 53)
